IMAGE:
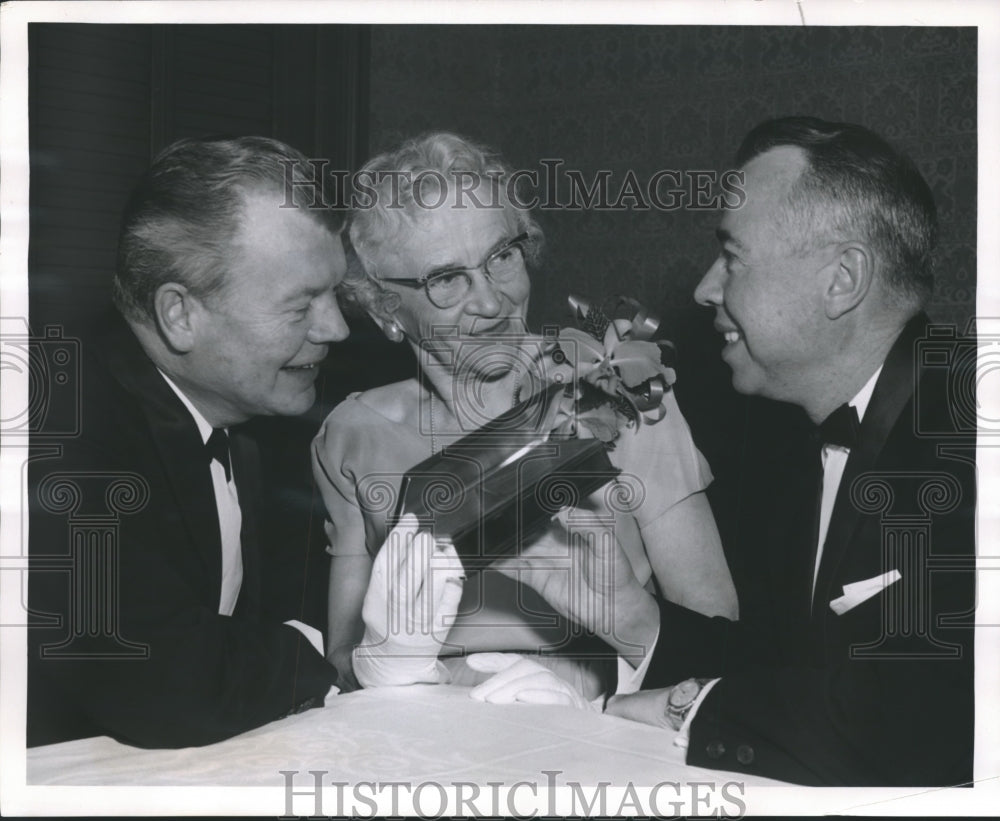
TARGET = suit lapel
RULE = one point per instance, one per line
(785, 458)
(894, 389)
(177, 441)
(794, 534)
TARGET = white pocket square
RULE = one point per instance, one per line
(858, 592)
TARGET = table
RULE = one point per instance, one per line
(418, 733)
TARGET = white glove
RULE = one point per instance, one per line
(521, 679)
(410, 605)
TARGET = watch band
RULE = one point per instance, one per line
(681, 699)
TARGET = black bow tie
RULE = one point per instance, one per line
(840, 427)
(217, 448)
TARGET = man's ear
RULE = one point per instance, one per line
(851, 277)
(174, 306)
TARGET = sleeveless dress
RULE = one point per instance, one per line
(360, 457)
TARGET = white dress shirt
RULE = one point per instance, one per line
(834, 461)
(227, 506)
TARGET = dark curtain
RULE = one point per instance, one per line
(104, 99)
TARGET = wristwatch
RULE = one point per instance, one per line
(681, 699)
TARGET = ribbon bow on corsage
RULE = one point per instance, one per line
(619, 372)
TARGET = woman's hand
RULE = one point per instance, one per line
(410, 605)
(522, 680)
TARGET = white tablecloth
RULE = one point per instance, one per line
(419, 733)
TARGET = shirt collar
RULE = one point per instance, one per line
(864, 396)
(204, 428)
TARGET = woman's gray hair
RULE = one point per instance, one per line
(395, 189)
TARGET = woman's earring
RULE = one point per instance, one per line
(393, 332)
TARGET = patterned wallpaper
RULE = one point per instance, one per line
(680, 98)
(646, 99)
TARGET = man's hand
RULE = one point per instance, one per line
(410, 605)
(584, 574)
(646, 706)
(342, 658)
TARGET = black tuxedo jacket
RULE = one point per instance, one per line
(882, 694)
(126, 572)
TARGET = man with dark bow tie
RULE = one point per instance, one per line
(146, 586)
(852, 533)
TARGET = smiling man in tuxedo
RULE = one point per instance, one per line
(852, 534)
(225, 307)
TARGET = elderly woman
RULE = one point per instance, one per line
(445, 255)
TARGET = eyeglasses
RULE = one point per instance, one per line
(448, 287)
